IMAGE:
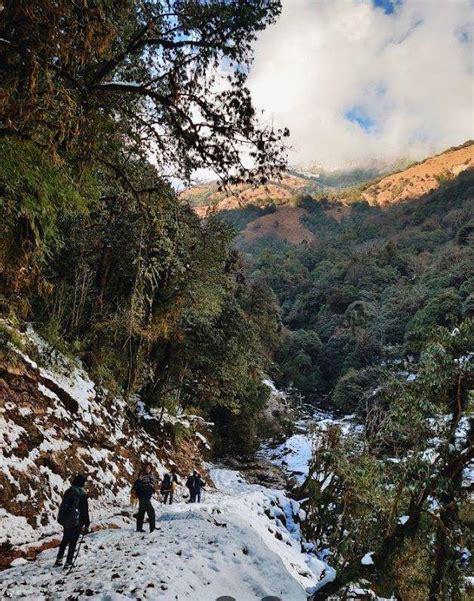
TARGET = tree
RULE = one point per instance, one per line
(354, 388)
(444, 308)
(166, 76)
(416, 557)
(298, 357)
(99, 252)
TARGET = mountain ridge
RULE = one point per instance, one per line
(278, 207)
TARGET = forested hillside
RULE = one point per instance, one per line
(98, 107)
(375, 291)
(368, 286)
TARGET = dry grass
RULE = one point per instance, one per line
(420, 178)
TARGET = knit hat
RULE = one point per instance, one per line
(79, 480)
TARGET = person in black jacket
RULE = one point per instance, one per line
(199, 484)
(195, 484)
(73, 516)
(144, 488)
(190, 487)
(165, 489)
(169, 486)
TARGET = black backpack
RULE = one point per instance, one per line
(166, 484)
(69, 515)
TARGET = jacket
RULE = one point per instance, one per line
(194, 483)
(144, 487)
(166, 484)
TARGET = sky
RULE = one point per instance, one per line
(356, 80)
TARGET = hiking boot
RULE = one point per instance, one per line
(67, 565)
(58, 563)
(140, 530)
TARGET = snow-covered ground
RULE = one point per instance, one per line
(55, 423)
(241, 541)
(295, 453)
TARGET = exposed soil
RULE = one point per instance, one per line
(285, 223)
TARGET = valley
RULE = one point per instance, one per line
(287, 351)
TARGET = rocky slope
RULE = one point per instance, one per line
(54, 422)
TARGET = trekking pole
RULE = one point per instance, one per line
(75, 555)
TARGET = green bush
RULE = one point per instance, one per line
(354, 388)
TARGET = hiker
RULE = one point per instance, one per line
(165, 489)
(174, 484)
(195, 484)
(144, 488)
(199, 484)
(190, 487)
(73, 516)
(168, 487)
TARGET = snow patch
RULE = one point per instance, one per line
(367, 559)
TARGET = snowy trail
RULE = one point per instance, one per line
(243, 541)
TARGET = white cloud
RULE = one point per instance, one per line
(410, 73)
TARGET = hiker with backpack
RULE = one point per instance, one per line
(73, 516)
(168, 487)
(144, 489)
(165, 489)
(195, 484)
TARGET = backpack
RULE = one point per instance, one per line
(69, 515)
(166, 484)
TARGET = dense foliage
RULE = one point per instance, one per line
(398, 489)
(370, 289)
(377, 317)
(97, 251)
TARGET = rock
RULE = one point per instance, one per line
(19, 561)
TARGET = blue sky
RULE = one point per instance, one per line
(389, 6)
(359, 115)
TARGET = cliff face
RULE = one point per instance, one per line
(55, 422)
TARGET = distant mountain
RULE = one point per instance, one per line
(208, 198)
(354, 174)
(309, 179)
(278, 208)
